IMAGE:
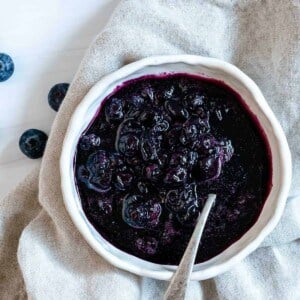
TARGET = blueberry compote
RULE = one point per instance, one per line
(155, 149)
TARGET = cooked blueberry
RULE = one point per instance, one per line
(99, 160)
(194, 101)
(116, 159)
(149, 147)
(57, 94)
(176, 109)
(128, 144)
(147, 245)
(89, 141)
(100, 182)
(160, 126)
(189, 132)
(192, 159)
(98, 166)
(173, 201)
(184, 204)
(114, 110)
(176, 175)
(6, 67)
(148, 93)
(210, 168)
(136, 101)
(100, 205)
(153, 172)
(143, 187)
(178, 158)
(124, 180)
(83, 174)
(168, 93)
(227, 149)
(173, 135)
(189, 217)
(33, 142)
(206, 144)
(129, 125)
(139, 213)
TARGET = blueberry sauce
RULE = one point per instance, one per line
(156, 148)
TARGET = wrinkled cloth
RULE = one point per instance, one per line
(43, 256)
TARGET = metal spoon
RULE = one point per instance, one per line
(178, 285)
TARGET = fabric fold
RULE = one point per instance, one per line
(41, 251)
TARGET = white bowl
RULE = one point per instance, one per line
(209, 67)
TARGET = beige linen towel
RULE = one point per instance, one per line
(42, 255)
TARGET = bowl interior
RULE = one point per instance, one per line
(253, 98)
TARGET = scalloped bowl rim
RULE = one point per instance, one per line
(238, 250)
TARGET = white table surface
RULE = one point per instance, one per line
(47, 40)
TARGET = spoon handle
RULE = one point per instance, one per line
(177, 287)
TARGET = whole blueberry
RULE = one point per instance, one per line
(32, 143)
(57, 94)
(128, 144)
(141, 214)
(89, 141)
(114, 110)
(176, 176)
(6, 66)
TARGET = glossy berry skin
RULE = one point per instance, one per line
(6, 67)
(128, 144)
(114, 110)
(33, 142)
(57, 94)
(140, 214)
(87, 142)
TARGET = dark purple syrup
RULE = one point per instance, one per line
(156, 148)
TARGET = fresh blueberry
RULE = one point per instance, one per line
(147, 245)
(33, 142)
(139, 213)
(114, 110)
(6, 67)
(89, 141)
(57, 94)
